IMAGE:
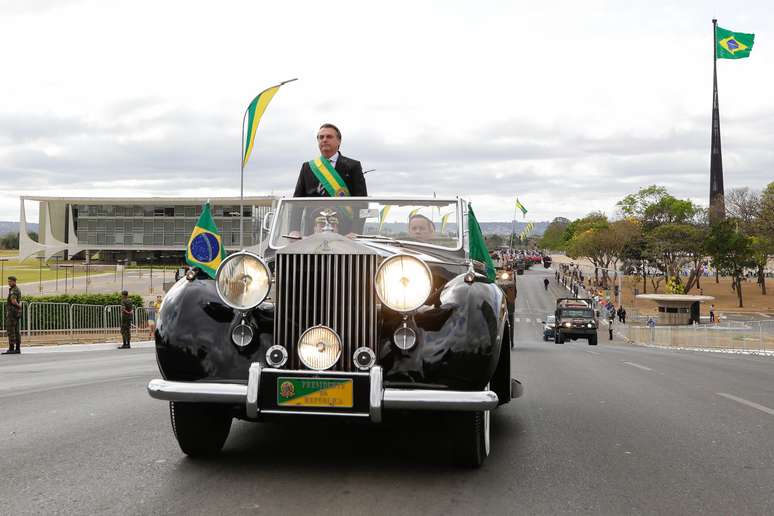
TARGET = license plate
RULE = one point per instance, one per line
(314, 392)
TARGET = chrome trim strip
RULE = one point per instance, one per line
(312, 373)
(376, 394)
(196, 391)
(425, 399)
(302, 413)
(253, 388)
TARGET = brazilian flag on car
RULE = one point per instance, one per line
(205, 247)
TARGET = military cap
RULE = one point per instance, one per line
(12, 278)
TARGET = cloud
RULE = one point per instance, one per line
(569, 106)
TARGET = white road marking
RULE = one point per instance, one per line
(592, 352)
(526, 319)
(516, 319)
(743, 401)
(638, 366)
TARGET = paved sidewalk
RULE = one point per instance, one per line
(69, 348)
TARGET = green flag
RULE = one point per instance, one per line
(521, 207)
(478, 249)
(733, 45)
(205, 248)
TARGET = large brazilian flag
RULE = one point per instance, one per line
(733, 45)
(205, 247)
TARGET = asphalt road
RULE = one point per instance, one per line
(612, 429)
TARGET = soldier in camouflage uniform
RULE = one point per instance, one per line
(126, 319)
(13, 314)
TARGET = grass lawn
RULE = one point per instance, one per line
(29, 270)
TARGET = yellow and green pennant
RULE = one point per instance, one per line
(521, 207)
(323, 170)
(205, 248)
(253, 116)
(444, 221)
(383, 216)
(733, 45)
(413, 212)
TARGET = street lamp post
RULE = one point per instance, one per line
(150, 262)
(57, 273)
(123, 268)
(2, 276)
(40, 272)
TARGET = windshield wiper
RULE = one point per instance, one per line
(377, 237)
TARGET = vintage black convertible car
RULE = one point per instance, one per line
(350, 312)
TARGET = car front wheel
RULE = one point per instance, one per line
(201, 429)
(471, 439)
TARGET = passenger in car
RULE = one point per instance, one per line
(420, 227)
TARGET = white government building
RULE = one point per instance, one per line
(133, 228)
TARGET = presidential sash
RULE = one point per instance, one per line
(328, 177)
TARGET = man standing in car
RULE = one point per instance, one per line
(331, 174)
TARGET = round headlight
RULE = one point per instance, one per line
(403, 282)
(319, 348)
(243, 281)
(504, 276)
(242, 335)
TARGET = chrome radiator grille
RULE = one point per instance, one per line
(335, 290)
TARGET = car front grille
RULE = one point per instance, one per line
(335, 290)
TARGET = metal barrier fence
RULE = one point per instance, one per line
(749, 336)
(40, 318)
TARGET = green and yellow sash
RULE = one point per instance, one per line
(328, 177)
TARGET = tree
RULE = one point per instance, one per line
(744, 205)
(654, 206)
(673, 246)
(602, 242)
(553, 236)
(731, 251)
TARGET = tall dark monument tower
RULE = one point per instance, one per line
(717, 203)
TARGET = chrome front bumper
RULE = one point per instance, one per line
(379, 397)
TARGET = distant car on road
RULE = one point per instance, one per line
(549, 327)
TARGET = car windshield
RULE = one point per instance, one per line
(426, 222)
(577, 312)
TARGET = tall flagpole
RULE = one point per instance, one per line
(717, 208)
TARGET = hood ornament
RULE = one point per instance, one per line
(327, 221)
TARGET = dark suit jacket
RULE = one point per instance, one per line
(350, 171)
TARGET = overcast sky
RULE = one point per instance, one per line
(569, 105)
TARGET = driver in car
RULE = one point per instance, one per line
(421, 228)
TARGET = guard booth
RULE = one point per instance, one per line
(677, 309)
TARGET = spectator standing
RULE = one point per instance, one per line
(127, 309)
(610, 324)
(13, 313)
(712, 313)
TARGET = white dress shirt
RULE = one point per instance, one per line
(334, 158)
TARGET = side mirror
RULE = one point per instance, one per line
(266, 223)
